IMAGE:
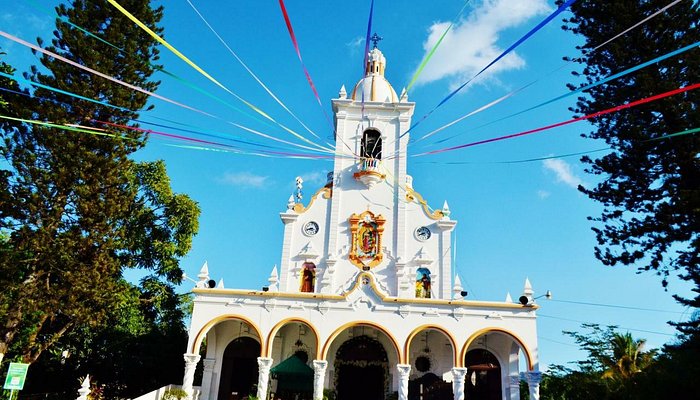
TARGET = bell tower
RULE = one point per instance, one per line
(368, 218)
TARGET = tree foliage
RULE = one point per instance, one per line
(650, 187)
(77, 210)
(613, 368)
(617, 368)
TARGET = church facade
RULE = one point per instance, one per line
(365, 304)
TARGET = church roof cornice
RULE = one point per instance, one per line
(358, 282)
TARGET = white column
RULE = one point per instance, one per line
(404, 372)
(533, 382)
(319, 378)
(264, 364)
(514, 386)
(209, 364)
(191, 361)
(458, 382)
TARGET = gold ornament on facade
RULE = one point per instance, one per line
(366, 239)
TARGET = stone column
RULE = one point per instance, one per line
(404, 372)
(191, 361)
(209, 364)
(319, 378)
(458, 375)
(533, 382)
(264, 364)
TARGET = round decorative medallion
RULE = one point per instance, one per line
(423, 233)
(310, 228)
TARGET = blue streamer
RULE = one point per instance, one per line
(508, 50)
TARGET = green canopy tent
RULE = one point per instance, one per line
(294, 378)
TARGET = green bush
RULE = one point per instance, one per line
(174, 394)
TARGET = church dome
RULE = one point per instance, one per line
(374, 87)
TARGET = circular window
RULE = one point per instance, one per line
(423, 364)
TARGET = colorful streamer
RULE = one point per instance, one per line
(432, 51)
(44, 51)
(201, 71)
(637, 24)
(251, 73)
(288, 22)
(92, 71)
(681, 133)
(367, 37)
(558, 124)
(571, 93)
(503, 54)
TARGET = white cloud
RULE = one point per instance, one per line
(245, 179)
(471, 44)
(563, 172)
(543, 194)
(356, 43)
(314, 178)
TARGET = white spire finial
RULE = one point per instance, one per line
(508, 298)
(446, 209)
(290, 202)
(273, 279)
(343, 94)
(527, 290)
(204, 272)
(221, 284)
(404, 95)
(84, 390)
(457, 287)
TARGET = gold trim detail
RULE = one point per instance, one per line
(279, 325)
(413, 195)
(415, 332)
(359, 174)
(516, 338)
(337, 332)
(366, 239)
(385, 299)
(327, 194)
(205, 329)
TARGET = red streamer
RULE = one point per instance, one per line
(571, 121)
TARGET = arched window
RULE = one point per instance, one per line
(372, 144)
(308, 277)
(423, 283)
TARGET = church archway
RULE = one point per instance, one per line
(239, 369)
(362, 369)
(483, 380)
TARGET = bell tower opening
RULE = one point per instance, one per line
(371, 144)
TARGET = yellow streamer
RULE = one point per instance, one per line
(203, 72)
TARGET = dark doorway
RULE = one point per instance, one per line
(483, 380)
(361, 367)
(372, 144)
(239, 369)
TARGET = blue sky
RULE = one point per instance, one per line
(515, 220)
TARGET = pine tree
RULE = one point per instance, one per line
(79, 210)
(649, 187)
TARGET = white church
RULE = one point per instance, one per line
(365, 305)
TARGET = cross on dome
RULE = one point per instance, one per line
(375, 39)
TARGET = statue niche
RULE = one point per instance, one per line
(366, 239)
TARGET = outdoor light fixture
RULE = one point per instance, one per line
(524, 300)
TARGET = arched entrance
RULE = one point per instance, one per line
(362, 369)
(483, 380)
(239, 369)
